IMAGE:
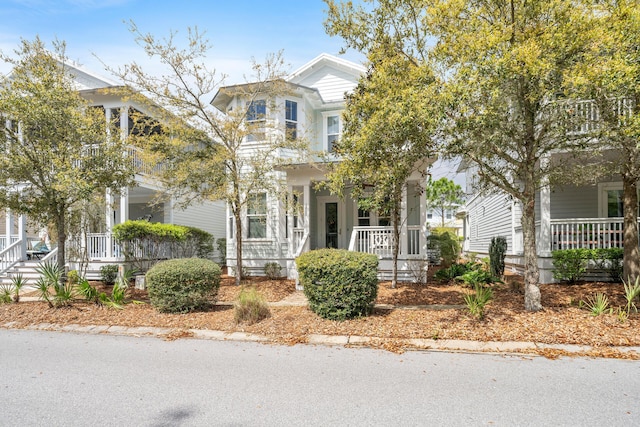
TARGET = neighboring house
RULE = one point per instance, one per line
(273, 234)
(568, 217)
(136, 202)
(434, 219)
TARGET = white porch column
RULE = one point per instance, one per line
(290, 214)
(22, 233)
(306, 206)
(109, 224)
(8, 227)
(424, 232)
(124, 205)
(544, 239)
(404, 222)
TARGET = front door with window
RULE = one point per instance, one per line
(331, 223)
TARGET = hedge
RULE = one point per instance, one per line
(339, 284)
(183, 285)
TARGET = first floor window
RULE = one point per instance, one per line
(364, 218)
(257, 216)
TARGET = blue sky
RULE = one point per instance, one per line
(238, 29)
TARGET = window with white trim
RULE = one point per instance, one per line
(256, 118)
(257, 216)
(332, 129)
(291, 120)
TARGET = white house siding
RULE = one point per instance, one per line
(489, 216)
(208, 216)
(574, 202)
(330, 83)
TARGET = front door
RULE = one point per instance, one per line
(330, 223)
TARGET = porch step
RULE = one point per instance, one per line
(26, 268)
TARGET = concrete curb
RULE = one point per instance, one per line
(328, 340)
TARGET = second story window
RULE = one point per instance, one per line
(291, 120)
(256, 116)
(333, 131)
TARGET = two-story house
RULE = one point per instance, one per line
(136, 202)
(573, 216)
(313, 105)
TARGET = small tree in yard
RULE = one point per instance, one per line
(206, 157)
(443, 195)
(388, 136)
(56, 152)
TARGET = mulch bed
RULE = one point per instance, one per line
(562, 321)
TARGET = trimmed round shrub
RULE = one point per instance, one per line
(183, 285)
(339, 284)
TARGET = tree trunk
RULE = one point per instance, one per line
(61, 225)
(532, 297)
(631, 257)
(395, 247)
(238, 225)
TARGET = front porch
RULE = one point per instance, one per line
(326, 221)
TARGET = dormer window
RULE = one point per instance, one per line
(256, 117)
(291, 120)
(332, 129)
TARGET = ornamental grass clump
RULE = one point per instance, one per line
(250, 307)
(183, 285)
(339, 284)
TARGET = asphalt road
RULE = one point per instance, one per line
(66, 379)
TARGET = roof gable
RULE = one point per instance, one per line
(85, 79)
(330, 75)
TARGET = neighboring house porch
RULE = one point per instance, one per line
(571, 217)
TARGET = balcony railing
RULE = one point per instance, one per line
(140, 164)
(586, 233)
(587, 115)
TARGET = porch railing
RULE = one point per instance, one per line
(413, 240)
(300, 239)
(98, 245)
(3, 240)
(10, 256)
(140, 164)
(372, 240)
(586, 233)
(587, 115)
(379, 241)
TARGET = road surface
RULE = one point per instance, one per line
(67, 379)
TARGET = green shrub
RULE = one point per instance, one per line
(339, 284)
(222, 249)
(477, 301)
(250, 307)
(477, 277)
(73, 277)
(609, 260)
(183, 285)
(570, 265)
(145, 243)
(455, 270)
(497, 253)
(272, 270)
(447, 243)
(109, 274)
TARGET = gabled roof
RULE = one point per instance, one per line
(84, 78)
(324, 59)
(324, 79)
